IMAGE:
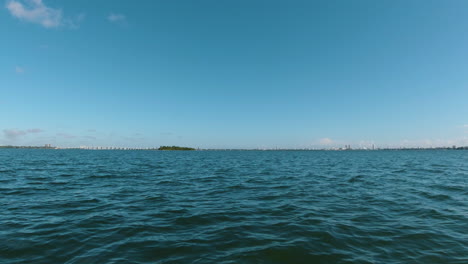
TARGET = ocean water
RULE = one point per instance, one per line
(78, 206)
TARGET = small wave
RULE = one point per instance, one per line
(435, 196)
(356, 178)
(234, 207)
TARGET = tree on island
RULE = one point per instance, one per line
(174, 148)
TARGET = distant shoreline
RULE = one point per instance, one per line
(233, 149)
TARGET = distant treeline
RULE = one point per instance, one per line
(26, 147)
(174, 148)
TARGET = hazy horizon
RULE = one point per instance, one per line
(234, 74)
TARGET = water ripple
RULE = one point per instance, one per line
(70, 206)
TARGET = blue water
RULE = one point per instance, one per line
(79, 206)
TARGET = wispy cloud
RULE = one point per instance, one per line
(19, 69)
(465, 126)
(34, 130)
(35, 11)
(66, 135)
(74, 22)
(13, 134)
(116, 18)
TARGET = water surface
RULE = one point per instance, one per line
(79, 206)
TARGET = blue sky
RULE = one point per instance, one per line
(234, 74)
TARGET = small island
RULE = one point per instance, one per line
(174, 148)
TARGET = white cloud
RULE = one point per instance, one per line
(19, 69)
(35, 11)
(326, 141)
(465, 126)
(115, 18)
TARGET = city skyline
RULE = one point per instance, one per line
(237, 74)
